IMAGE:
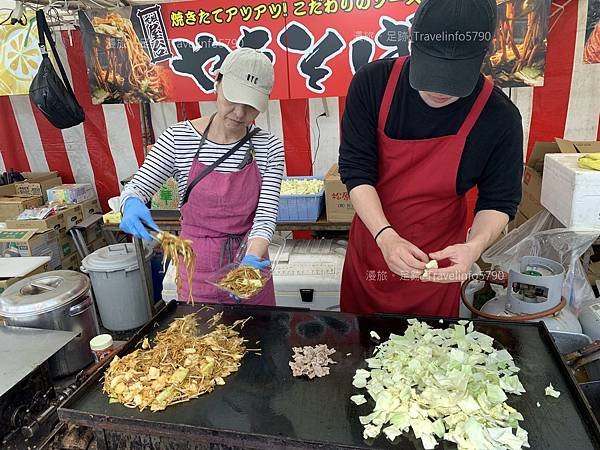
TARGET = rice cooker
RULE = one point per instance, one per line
(57, 300)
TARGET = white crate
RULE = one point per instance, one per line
(315, 265)
(570, 193)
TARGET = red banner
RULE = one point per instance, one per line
(170, 52)
(327, 46)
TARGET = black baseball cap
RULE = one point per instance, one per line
(449, 39)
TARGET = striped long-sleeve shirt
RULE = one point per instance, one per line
(172, 156)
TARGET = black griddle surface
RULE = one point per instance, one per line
(265, 406)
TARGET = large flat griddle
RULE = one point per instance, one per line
(264, 406)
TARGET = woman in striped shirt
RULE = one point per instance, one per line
(228, 173)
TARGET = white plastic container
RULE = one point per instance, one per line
(570, 193)
(101, 346)
(169, 291)
(117, 284)
(308, 274)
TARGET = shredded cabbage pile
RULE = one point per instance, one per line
(301, 187)
(444, 384)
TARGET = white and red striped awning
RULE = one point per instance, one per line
(107, 147)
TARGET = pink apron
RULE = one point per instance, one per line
(219, 212)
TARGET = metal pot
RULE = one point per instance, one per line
(56, 300)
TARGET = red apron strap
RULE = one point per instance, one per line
(477, 107)
(390, 88)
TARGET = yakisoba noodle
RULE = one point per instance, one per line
(243, 281)
(180, 252)
(135, 70)
(178, 366)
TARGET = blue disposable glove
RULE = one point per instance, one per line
(256, 262)
(135, 215)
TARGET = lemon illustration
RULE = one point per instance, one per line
(18, 60)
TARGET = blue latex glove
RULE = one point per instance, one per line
(135, 215)
(255, 262)
(235, 298)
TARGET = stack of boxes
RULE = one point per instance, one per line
(18, 197)
(534, 177)
(48, 236)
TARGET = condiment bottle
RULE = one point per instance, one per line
(102, 346)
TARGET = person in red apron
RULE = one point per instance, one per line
(232, 179)
(429, 141)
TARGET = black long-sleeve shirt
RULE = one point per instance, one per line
(492, 158)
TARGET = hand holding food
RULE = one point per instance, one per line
(255, 262)
(243, 282)
(461, 257)
(402, 257)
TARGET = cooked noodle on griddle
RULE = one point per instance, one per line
(177, 366)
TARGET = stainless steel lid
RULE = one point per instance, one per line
(42, 293)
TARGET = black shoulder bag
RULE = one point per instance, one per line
(53, 98)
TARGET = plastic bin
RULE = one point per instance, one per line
(117, 281)
(301, 208)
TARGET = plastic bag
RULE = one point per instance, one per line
(543, 235)
(275, 248)
(216, 278)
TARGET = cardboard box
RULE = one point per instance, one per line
(533, 170)
(13, 205)
(63, 220)
(71, 194)
(519, 220)
(39, 176)
(54, 222)
(66, 244)
(6, 282)
(31, 243)
(71, 216)
(337, 200)
(93, 232)
(570, 193)
(97, 244)
(167, 196)
(37, 187)
(593, 272)
(7, 189)
(90, 207)
(70, 262)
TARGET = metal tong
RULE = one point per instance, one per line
(584, 355)
(156, 235)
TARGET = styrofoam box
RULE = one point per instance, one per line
(570, 193)
(310, 264)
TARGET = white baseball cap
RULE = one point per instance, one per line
(248, 78)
